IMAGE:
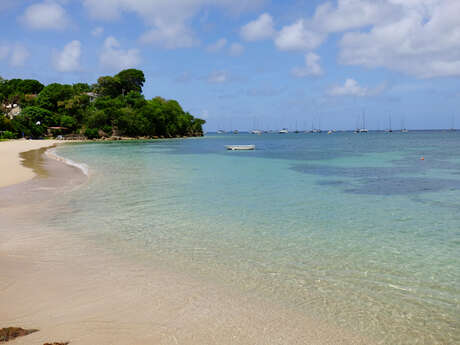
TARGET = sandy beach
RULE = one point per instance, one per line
(76, 291)
(11, 169)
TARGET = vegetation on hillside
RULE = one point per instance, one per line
(114, 106)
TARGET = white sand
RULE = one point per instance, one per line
(11, 169)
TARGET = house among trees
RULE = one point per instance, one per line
(114, 106)
(12, 110)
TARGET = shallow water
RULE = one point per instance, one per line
(353, 229)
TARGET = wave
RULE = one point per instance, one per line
(82, 166)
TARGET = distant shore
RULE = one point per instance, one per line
(72, 290)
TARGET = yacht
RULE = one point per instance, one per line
(283, 131)
(256, 131)
(364, 129)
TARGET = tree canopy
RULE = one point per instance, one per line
(114, 105)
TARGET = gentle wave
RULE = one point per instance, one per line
(82, 166)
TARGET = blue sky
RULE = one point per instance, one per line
(259, 63)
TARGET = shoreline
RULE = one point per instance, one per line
(12, 169)
(72, 290)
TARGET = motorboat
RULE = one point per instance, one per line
(240, 147)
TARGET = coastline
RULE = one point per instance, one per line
(12, 171)
(74, 291)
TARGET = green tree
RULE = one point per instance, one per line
(133, 124)
(37, 114)
(30, 86)
(109, 86)
(79, 88)
(68, 122)
(92, 133)
(131, 80)
(33, 122)
(52, 94)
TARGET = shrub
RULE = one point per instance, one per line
(7, 135)
(92, 133)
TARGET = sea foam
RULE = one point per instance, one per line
(82, 166)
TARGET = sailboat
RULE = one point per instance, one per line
(403, 127)
(389, 130)
(364, 129)
(452, 127)
(254, 125)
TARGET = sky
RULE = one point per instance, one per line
(254, 64)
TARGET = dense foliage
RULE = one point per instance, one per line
(114, 106)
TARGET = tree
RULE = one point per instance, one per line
(49, 97)
(37, 114)
(79, 88)
(68, 122)
(109, 86)
(119, 106)
(30, 86)
(131, 80)
(92, 133)
(133, 124)
(33, 122)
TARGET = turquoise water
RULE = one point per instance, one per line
(356, 230)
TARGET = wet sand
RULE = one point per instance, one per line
(76, 291)
(11, 169)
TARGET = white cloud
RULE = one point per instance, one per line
(170, 36)
(415, 37)
(218, 77)
(113, 57)
(98, 31)
(217, 46)
(167, 21)
(352, 14)
(311, 68)
(19, 55)
(259, 29)
(424, 42)
(298, 37)
(16, 54)
(68, 59)
(236, 49)
(352, 88)
(46, 15)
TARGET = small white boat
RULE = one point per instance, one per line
(256, 131)
(240, 147)
(283, 131)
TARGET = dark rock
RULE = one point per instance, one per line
(10, 333)
(66, 343)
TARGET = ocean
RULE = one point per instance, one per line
(352, 229)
